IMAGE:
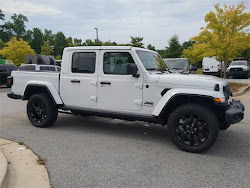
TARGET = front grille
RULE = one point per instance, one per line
(236, 69)
(227, 92)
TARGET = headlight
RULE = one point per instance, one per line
(244, 69)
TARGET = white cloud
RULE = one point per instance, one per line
(28, 8)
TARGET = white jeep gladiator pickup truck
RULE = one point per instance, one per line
(125, 82)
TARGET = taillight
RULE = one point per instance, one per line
(218, 67)
(9, 81)
(202, 67)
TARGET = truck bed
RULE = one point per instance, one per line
(21, 78)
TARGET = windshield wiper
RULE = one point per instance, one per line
(161, 70)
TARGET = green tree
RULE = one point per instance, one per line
(225, 34)
(137, 42)
(17, 27)
(187, 44)
(28, 36)
(60, 43)
(89, 42)
(151, 47)
(174, 50)
(109, 43)
(37, 40)
(70, 42)
(16, 50)
(2, 16)
(77, 42)
(48, 36)
(46, 49)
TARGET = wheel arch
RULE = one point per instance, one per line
(48, 88)
(172, 99)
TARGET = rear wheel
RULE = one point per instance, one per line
(41, 110)
(193, 128)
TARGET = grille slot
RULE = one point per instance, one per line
(227, 92)
(236, 69)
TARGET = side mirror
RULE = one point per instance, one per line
(132, 69)
(194, 69)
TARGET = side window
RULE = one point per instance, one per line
(83, 62)
(43, 68)
(27, 67)
(116, 62)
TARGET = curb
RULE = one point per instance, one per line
(239, 93)
(3, 167)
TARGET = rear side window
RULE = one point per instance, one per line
(47, 68)
(28, 67)
(83, 62)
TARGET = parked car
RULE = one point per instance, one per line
(238, 69)
(35, 67)
(210, 66)
(125, 82)
(5, 71)
(179, 65)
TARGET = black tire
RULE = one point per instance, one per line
(41, 110)
(193, 128)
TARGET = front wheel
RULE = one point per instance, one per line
(193, 128)
(41, 110)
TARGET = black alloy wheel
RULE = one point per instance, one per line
(41, 110)
(193, 128)
(38, 111)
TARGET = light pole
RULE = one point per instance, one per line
(96, 35)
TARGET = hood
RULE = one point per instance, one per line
(191, 80)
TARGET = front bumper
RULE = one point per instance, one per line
(237, 73)
(235, 112)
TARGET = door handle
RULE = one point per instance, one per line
(75, 81)
(105, 82)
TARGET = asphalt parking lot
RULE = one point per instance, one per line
(247, 81)
(101, 152)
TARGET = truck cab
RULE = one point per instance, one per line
(127, 83)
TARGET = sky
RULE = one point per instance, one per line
(154, 20)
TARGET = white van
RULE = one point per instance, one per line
(210, 66)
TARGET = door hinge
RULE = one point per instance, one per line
(139, 85)
(138, 102)
(93, 98)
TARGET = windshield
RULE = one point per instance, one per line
(151, 60)
(176, 64)
(238, 63)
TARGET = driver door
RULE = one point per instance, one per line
(118, 89)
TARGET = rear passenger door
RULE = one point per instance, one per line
(79, 86)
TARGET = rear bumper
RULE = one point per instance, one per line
(212, 73)
(235, 112)
(14, 96)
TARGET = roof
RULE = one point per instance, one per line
(99, 48)
(180, 58)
